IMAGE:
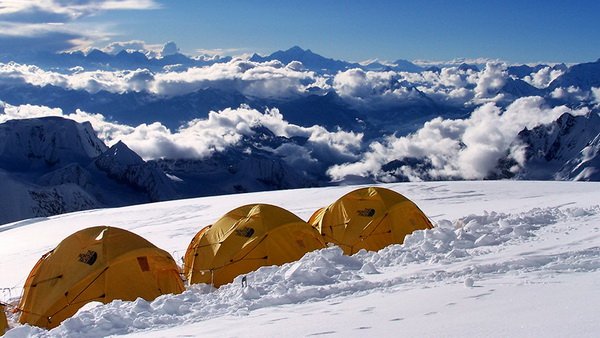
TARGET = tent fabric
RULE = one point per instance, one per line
(245, 239)
(190, 254)
(369, 218)
(96, 264)
(3, 321)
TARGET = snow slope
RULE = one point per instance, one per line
(507, 258)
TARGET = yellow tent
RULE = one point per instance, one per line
(3, 321)
(368, 218)
(245, 239)
(96, 264)
(190, 253)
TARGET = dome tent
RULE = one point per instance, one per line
(245, 239)
(3, 321)
(190, 254)
(369, 218)
(96, 264)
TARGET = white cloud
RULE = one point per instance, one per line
(125, 4)
(453, 77)
(543, 77)
(41, 10)
(447, 148)
(490, 81)
(596, 93)
(368, 90)
(169, 48)
(150, 50)
(361, 86)
(457, 62)
(463, 148)
(200, 138)
(28, 26)
(266, 80)
(133, 45)
(375, 89)
(571, 93)
(203, 137)
(10, 112)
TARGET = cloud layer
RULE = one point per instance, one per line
(267, 80)
(443, 148)
(221, 130)
(450, 148)
(456, 148)
(457, 87)
(364, 89)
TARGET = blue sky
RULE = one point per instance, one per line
(355, 30)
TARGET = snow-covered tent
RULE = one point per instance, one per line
(245, 239)
(369, 218)
(98, 264)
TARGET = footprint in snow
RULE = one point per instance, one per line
(480, 295)
(272, 321)
(322, 333)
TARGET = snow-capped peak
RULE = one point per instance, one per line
(47, 142)
(120, 153)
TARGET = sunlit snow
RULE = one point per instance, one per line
(507, 258)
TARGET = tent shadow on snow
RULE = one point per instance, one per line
(98, 264)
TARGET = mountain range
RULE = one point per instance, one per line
(328, 113)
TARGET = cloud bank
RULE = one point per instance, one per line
(458, 87)
(467, 148)
(202, 138)
(364, 89)
(266, 80)
(455, 148)
(543, 77)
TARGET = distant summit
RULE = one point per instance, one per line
(118, 59)
(130, 56)
(402, 65)
(309, 59)
(170, 48)
(584, 75)
(321, 64)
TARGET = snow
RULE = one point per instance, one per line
(507, 258)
